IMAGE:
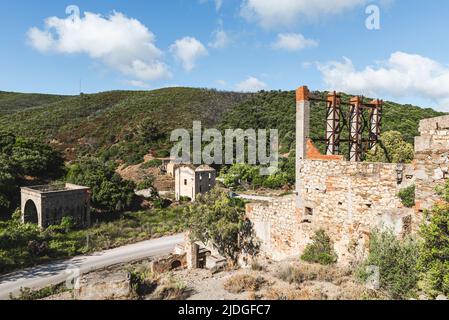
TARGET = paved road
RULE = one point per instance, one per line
(58, 272)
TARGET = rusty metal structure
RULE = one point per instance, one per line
(362, 120)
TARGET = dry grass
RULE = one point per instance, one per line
(312, 272)
(171, 289)
(244, 283)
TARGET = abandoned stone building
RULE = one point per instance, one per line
(47, 205)
(349, 199)
(191, 181)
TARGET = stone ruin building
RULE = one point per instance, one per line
(47, 205)
(349, 199)
(191, 181)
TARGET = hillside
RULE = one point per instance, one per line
(118, 123)
(127, 124)
(11, 102)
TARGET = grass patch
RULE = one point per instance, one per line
(171, 289)
(244, 283)
(29, 294)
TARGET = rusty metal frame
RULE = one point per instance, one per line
(356, 120)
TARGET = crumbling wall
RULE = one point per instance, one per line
(346, 199)
(431, 160)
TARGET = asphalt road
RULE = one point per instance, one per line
(58, 272)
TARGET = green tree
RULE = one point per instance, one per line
(434, 253)
(7, 183)
(109, 191)
(392, 149)
(220, 221)
(396, 261)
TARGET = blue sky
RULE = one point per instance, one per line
(242, 45)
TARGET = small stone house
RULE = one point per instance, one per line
(191, 180)
(47, 205)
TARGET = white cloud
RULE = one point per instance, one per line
(221, 39)
(293, 42)
(288, 12)
(402, 75)
(122, 43)
(188, 50)
(251, 84)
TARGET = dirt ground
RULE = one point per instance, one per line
(136, 173)
(310, 282)
(266, 280)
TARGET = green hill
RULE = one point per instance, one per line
(126, 124)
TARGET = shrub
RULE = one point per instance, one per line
(161, 203)
(396, 262)
(26, 294)
(155, 163)
(243, 283)
(146, 183)
(407, 196)
(320, 250)
(184, 199)
(392, 149)
(109, 191)
(171, 289)
(37, 248)
(434, 252)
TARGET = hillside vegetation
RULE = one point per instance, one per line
(276, 109)
(125, 125)
(122, 123)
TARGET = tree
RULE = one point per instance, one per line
(109, 191)
(20, 157)
(434, 253)
(392, 149)
(7, 183)
(396, 261)
(220, 221)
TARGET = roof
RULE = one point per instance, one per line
(55, 188)
(204, 168)
(201, 168)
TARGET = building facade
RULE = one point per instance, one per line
(191, 181)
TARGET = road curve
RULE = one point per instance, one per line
(54, 273)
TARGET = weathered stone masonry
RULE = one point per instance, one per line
(350, 199)
(47, 205)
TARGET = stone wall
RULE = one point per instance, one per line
(346, 199)
(431, 160)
